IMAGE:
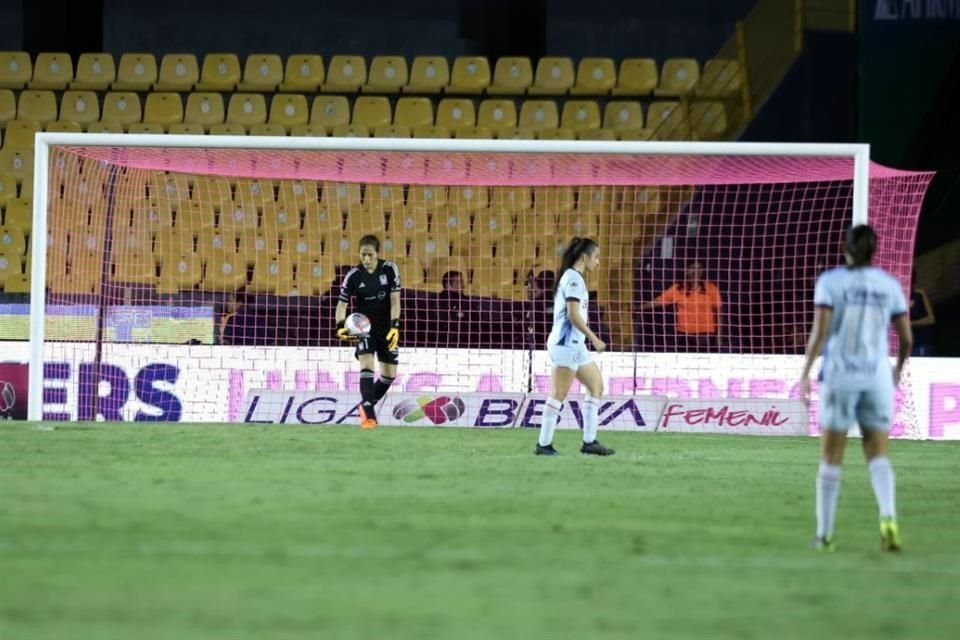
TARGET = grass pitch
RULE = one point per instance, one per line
(164, 531)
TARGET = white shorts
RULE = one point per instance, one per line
(841, 408)
(569, 357)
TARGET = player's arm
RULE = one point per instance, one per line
(662, 300)
(928, 319)
(901, 324)
(818, 336)
(573, 314)
(340, 313)
(393, 335)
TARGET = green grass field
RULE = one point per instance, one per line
(162, 531)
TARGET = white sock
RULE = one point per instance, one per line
(884, 485)
(551, 413)
(591, 409)
(828, 490)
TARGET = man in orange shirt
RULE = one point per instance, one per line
(698, 304)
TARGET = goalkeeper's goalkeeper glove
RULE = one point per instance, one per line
(344, 334)
(393, 336)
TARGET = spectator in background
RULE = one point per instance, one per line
(922, 319)
(538, 314)
(698, 305)
(451, 312)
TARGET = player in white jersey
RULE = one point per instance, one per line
(568, 350)
(854, 307)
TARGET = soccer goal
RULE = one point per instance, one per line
(181, 272)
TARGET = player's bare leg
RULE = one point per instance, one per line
(368, 415)
(589, 376)
(876, 446)
(832, 446)
(562, 378)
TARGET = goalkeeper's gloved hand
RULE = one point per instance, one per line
(393, 336)
(343, 334)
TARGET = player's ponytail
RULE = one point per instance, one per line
(860, 244)
(576, 248)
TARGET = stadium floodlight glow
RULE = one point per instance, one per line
(254, 229)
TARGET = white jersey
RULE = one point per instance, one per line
(572, 287)
(864, 300)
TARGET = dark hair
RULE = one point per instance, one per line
(576, 248)
(449, 277)
(371, 241)
(861, 244)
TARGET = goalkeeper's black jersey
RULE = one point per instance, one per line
(371, 293)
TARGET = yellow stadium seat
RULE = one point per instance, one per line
(637, 77)
(428, 75)
(80, 106)
(280, 217)
(677, 77)
(178, 72)
(456, 112)
(220, 72)
(493, 279)
(204, 109)
(470, 199)
(562, 133)
(559, 200)
(8, 188)
(595, 77)
(623, 115)
(510, 200)
(388, 74)
(135, 268)
(20, 135)
(350, 131)
(253, 190)
(181, 272)
(511, 76)
(580, 115)
(9, 266)
(391, 131)
(262, 72)
(8, 107)
(668, 120)
(428, 198)
(247, 109)
(18, 162)
(427, 249)
(122, 108)
(95, 72)
(470, 75)
(413, 112)
(342, 196)
(330, 111)
(256, 244)
(16, 69)
(136, 72)
(371, 112)
(383, 198)
(289, 110)
(304, 73)
(12, 240)
(19, 214)
(163, 108)
(105, 127)
(309, 130)
(409, 223)
(539, 114)
(361, 222)
(720, 79)
(516, 133)
(228, 129)
(298, 193)
(267, 129)
(442, 266)
(173, 241)
(431, 132)
(345, 74)
(453, 224)
(37, 106)
(554, 77)
(497, 114)
(271, 274)
(52, 71)
(492, 227)
(596, 134)
(304, 246)
(212, 241)
(473, 133)
(637, 134)
(315, 276)
(186, 128)
(708, 119)
(17, 283)
(224, 271)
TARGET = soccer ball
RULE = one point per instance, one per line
(357, 324)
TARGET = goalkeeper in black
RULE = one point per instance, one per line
(374, 284)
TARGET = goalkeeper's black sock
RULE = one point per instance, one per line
(380, 387)
(366, 386)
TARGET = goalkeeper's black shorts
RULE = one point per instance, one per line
(378, 345)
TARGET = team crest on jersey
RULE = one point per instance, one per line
(383, 278)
